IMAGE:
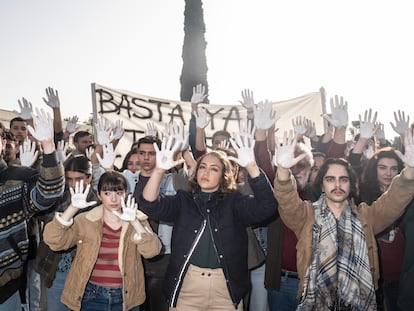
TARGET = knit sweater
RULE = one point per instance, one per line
(23, 193)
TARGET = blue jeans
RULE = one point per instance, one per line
(98, 298)
(258, 294)
(55, 292)
(285, 298)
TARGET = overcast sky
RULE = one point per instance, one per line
(361, 50)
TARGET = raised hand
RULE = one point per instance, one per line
(108, 156)
(379, 133)
(28, 153)
(79, 195)
(52, 98)
(401, 123)
(299, 126)
(89, 152)
(339, 113)
(61, 149)
(129, 209)
(198, 94)
(244, 146)
(26, 109)
(71, 125)
(165, 155)
(248, 102)
(367, 127)
(408, 156)
(285, 151)
(246, 129)
(43, 126)
(103, 130)
(264, 115)
(178, 133)
(118, 130)
(151, 130)
(310, 129)
(202, 117)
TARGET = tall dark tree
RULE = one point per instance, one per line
(194, 49)
(194, 55)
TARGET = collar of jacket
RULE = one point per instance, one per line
(95, 214)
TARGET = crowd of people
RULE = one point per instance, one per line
(263, 219)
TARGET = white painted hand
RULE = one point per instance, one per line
(52, 98)
(79, 195)
(28, 153)
(129, 209)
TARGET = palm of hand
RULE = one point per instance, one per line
(339, 117)
(102, 137)
(128, 214)
(165, 159)
(284, 157)
(27, 158)
(245, 156)
(79, 200)
(366, 129)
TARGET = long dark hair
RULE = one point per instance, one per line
(126, 159)
(317, 184)
(369, 187)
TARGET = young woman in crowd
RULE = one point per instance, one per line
(107, 271)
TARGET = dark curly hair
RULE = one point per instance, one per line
(228, 180)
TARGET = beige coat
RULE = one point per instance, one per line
(299, 216)
(86, 234)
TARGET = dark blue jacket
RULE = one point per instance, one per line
(229, 216)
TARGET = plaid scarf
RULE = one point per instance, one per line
(339, 273)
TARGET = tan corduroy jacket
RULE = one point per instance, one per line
(86, 234)
(299, 216)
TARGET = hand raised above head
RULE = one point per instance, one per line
(28, 153)
(285, 151)
(79, 195)
(26, 109)
(402, 123)
(202, 117)
(244, 146)
(367, 126)
(165, 155)
(71, 126)
(43, 126)
(52, 98)
(198, 94)
(408, 156)
(339, 112)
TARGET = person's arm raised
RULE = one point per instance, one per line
(164, 162)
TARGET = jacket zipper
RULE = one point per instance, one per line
(181, 274)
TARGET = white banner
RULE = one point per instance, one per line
(136, 110)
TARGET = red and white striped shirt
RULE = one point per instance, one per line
(106, 270)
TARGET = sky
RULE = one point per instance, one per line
(361, 50)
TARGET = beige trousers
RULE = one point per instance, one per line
(204, 290)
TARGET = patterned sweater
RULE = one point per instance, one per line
(23, 193)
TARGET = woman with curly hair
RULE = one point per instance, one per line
(208, 265)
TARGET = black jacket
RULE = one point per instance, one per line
(229, 216)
